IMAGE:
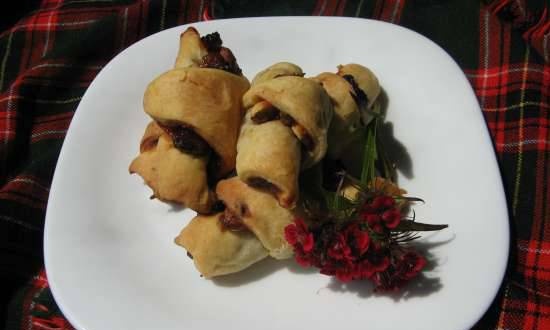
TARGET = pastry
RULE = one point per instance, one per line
(218, 251)
(198, 107)
(285, 130)
(258, 212)
(353, 91)
(174, 176)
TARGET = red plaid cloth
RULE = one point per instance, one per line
(49, 58)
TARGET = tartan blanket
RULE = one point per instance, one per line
(51, 55)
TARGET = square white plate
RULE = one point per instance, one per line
(109, 250)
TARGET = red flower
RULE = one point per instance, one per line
(379, 264)
(371, 218)
(303, 260)
(359, 249)
(392, 218)
(403, 269)
(365, 269)
(344, 275)
(297, 234)
(377, 258)
(380, 203)
(359, 237)
(339, 249)
(307, 242)
(411, 264)
(328, 269)
(291, 234)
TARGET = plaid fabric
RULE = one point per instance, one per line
(49, 58)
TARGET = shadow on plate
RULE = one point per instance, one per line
(396, 151)
(393, 149)
(175, 207)
(261, 270)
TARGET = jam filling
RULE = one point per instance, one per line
(187, 140)
(231, 221)
(358, 94)
(263, 184)
(265, 115)
(272, 113)
(218, 57)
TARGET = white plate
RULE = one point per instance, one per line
(109, 250)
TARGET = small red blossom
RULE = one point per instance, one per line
(303, 260)
(308, 242)
(365, 269)
(291, 234)
(371, 218)
(360, 248)
(380, 203)
(411, 264)
(297, 233)
(379, 263)
(403, 269)
(344, 275)
(360, 238)
(391, 218)
(339, 249)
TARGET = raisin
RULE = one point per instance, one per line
(212, 42)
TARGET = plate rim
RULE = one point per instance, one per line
(52, 280)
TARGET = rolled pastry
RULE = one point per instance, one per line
(268, 157)
(202, 99)
(217, 251)
(198, 105)
(365, 79)
(259, 212)
(173, 176)
(353, 91)
(284, 131)
(277, 70)
(304, 101)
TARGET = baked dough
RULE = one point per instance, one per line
(349, 115)
(199, 110)
(277, 70)
(172, 175)
(285, 128)
(302, 99)
(365, 78)
(205, 100)
(260, 213)
(191, 49)
(270, 152)
(216, 251)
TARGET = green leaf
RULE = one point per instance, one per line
(409, 225)
(368, 171)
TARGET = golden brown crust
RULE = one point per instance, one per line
(277, 70)
(261, 214)
(302, 99)
(172, 175)
(207, 100)
(365, 79)
(349, 113)
(271, 152)
(218, 252)
(191, 50)
(347, 116)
